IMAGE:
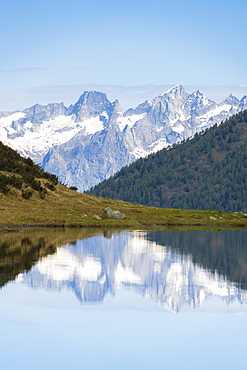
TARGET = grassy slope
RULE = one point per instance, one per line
(65, 207)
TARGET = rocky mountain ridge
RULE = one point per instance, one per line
(92, 139)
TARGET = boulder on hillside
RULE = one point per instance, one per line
(114, 214)
(97, 217)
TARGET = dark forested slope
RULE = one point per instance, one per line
(206, 172)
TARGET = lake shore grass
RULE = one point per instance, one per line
(64, 207)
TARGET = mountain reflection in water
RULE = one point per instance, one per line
(169, 266)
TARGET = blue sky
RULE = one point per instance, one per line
(52, 49)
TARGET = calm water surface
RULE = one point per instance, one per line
(78, 299)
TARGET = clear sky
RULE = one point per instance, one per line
(52, 49)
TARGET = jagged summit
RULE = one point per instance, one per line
(92, 98)
(90, 104)
(175, 90)
(94, 138)
(40, 113)
(243, 102)
(198, 95)
(231, 99)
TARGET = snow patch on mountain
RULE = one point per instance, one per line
(7, 120)
(215, 112)
(129, 121)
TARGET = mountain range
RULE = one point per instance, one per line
(93, 139)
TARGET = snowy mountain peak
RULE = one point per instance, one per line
(231, 99)
(243, 102)
(90, 104)
(173, 96)
(176, 90)
(199, 98)
(197, 94)
(92, 98)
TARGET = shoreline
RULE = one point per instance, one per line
(7, 228)
(64, 208)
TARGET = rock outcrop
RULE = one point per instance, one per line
(114, 214)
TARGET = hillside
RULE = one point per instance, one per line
(31, 197)
(206, 172)
(21, 175)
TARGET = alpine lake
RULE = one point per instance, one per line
(123, 299)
